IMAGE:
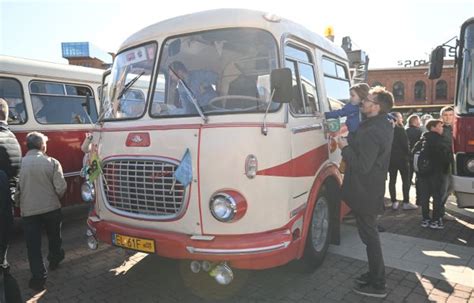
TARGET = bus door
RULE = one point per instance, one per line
(309, 148)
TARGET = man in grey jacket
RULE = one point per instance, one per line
(367, 160)
(40, 188)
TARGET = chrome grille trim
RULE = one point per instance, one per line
(140, 187)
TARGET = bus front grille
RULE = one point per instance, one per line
(143, 188)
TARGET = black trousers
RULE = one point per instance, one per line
(435, 186)
(404, 168)
(32, 226)
(6, 216)
(367, 227)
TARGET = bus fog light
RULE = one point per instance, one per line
(222, 273)
(470, 165)
(87, 192)
(92, 243)
(195, 266)
(251, 166)
(206, 266)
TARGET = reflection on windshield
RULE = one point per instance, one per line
(222, 71)
(131, 72)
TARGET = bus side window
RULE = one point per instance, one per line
(59, 103)
(12, 92)
(305, 99)
(336, 80)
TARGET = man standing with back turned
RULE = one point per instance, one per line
(40, 187)
(367, 160)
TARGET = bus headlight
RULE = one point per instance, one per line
(470, 165)
(228, 206)
(87, 192)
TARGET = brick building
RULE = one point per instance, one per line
(413, 90)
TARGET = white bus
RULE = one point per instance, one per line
(56, 99)
(230, 163)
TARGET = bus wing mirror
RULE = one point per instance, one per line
(436, 63)
(281, 85)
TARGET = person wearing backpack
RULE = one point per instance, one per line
(432, 163)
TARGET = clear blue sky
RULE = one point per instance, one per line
(388, 30)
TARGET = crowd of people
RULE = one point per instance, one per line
(39, 187)
(379, 144)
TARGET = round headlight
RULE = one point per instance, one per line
(87, 192)
(223, 207)
(470, 165)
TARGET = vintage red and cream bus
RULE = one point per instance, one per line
(463, 129)
(58, 100)
(229, 162)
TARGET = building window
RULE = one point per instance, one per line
(420, 91)
(441, 90)
(376, 83)
(399, 91)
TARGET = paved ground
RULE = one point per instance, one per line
(114, 275)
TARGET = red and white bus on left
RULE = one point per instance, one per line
(58, 100)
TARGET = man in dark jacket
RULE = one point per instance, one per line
(414, 134)
(447, 116)
(400, 162)
(10, 158)
(431, 183)
(367, 160)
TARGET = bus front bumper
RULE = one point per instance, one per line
(249, 251)
(464, 190)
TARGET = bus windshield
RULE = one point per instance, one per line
(465, 96)
(215, 72)
(129, 83)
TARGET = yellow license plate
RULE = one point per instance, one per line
(134, 243)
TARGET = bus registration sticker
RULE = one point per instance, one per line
(144, 245)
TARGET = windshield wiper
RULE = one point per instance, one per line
(129, 84)
(190, 95)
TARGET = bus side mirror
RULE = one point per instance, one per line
(281, 85)
(436, 63)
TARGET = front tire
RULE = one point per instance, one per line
(319, 233)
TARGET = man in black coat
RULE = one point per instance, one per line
(414, 134)
(431, 184)
(367, 159)
(10, 158)
(400, 162)
(447, 116)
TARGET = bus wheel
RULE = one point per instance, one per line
(319, 233)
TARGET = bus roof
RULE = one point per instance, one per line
(54, 71)
(228, 18)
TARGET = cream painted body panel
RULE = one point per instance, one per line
(222, 166)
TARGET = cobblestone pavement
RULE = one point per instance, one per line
(114, 275)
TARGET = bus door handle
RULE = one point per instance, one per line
(305, 128)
